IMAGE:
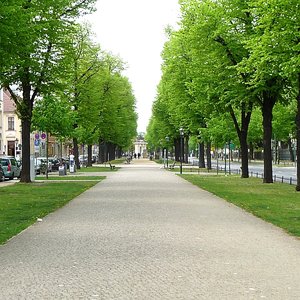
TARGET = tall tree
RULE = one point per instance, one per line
(274, 61)
(215, 32)
(33, 53)
(117, 119)
(84, 63)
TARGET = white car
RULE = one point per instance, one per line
(40, 165)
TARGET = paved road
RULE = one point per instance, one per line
(256, 167)
(285, 171)
(144, 233)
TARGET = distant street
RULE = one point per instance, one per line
(255, 167)
(289, 171)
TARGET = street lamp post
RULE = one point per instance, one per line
(181, 147)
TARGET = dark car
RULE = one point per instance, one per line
(55, 163)
(2, 176)
(65, 161)
(41, 165)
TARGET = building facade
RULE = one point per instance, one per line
(11, 135)
(10, 126)
(140, 147)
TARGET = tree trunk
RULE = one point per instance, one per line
(99, 161)
(269, 101)
(177, 149)
(201, 155)
(275, 156)
(186, 149)
(76, 153)
(251, 151)
(90, 154)
(244, 154)
(111, 151)
(26, 117)
(118, 152)
(291, 150)
(298, 136)
(102, 152)
(208, 155)
(278, 148)
(25, 175)
(242, 133)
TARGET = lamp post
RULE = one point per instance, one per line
(167, 142)
(181, 132)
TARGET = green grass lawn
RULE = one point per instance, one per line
(21, 204)
(98, 169)
(70, 177)
(276, 203)
(118, 161)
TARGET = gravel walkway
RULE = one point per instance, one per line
(145, 233)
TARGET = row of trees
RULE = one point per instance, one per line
(229, 60)
(60, 80)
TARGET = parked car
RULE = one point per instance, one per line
(40, 165)
(2, 176)
(65, 161)
(10, 167)
(55, 163)
(83, 160)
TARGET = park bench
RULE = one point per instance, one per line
(172, 166)
(112, 167)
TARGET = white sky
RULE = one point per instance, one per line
(134, 30)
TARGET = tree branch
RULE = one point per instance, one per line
(42, 75)
(13, 95)
(236, 123)
(90, 68)
(75, 7)
(230, 55)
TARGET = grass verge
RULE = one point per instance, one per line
(70, 177)
(21, 204)
(97, 169)
(118, 161)
(276, 203)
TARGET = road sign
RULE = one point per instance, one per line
(43, 135)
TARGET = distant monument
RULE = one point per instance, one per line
(140, 146)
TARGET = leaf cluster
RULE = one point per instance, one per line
(217, 66)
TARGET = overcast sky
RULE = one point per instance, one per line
(134, 30)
